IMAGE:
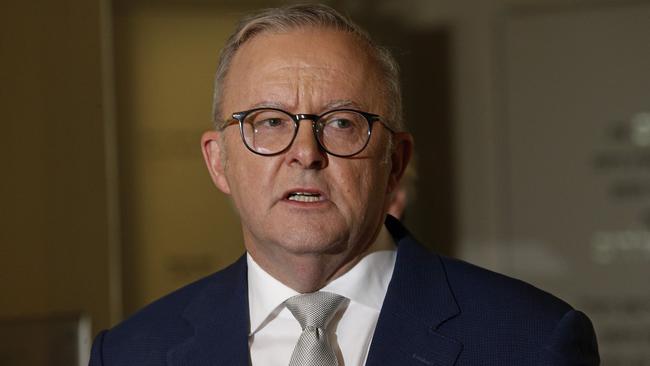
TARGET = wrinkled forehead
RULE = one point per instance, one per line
(303, 66)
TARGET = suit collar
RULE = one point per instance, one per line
(418, 302)
(219, 316)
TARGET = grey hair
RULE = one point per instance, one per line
(291, 17)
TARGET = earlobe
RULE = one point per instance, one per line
(400, 157)
(214, 158)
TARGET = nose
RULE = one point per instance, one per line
(305, 150)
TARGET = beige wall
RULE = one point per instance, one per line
(177, 225)
(57, 235)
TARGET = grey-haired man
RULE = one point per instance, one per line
(310, 144)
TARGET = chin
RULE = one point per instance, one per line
(307, 241)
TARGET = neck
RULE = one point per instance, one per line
(309, 272)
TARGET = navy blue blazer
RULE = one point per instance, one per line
(438, 311)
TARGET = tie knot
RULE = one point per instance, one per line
(315, 309)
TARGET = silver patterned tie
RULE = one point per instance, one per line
(314, 312)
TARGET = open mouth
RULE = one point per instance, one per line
(305, 197)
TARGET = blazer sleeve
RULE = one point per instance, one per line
(572, 343)
(96, 358)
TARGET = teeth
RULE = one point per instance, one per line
(305, 197)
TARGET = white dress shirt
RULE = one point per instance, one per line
(274, 331)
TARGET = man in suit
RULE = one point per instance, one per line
(310, 144)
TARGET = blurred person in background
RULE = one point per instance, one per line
(310, 145)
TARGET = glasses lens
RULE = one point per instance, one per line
(268, 131)
(343, 132)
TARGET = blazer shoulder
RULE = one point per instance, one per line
(498, 320)
(469, 280)
(471, 283)
(474, 289)
(161, 323)
(498, 312)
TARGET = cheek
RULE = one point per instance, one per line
(363, 188)
(247, 176)
(256, 181)
(377, 185)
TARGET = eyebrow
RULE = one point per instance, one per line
(342, 103)
(268, 104)
(333, 104)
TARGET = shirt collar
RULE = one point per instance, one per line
(265, 294)
(365, 283)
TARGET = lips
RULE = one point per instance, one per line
(305, 195)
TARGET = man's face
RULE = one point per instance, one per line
(304, 71)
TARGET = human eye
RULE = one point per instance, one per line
(269, 120)
(343, 122)
(273, 125)
(339, 123)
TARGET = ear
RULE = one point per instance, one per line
(400, 157)
(214, 158)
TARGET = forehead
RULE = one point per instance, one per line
(301, 68)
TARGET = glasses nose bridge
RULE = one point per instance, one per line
(309, 117)
(304, 116)
(297, 118)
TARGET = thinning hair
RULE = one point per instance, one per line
(287, 18)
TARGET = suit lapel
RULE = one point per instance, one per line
(219, 316)
(417, 302)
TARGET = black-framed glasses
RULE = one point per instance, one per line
(339, 132)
